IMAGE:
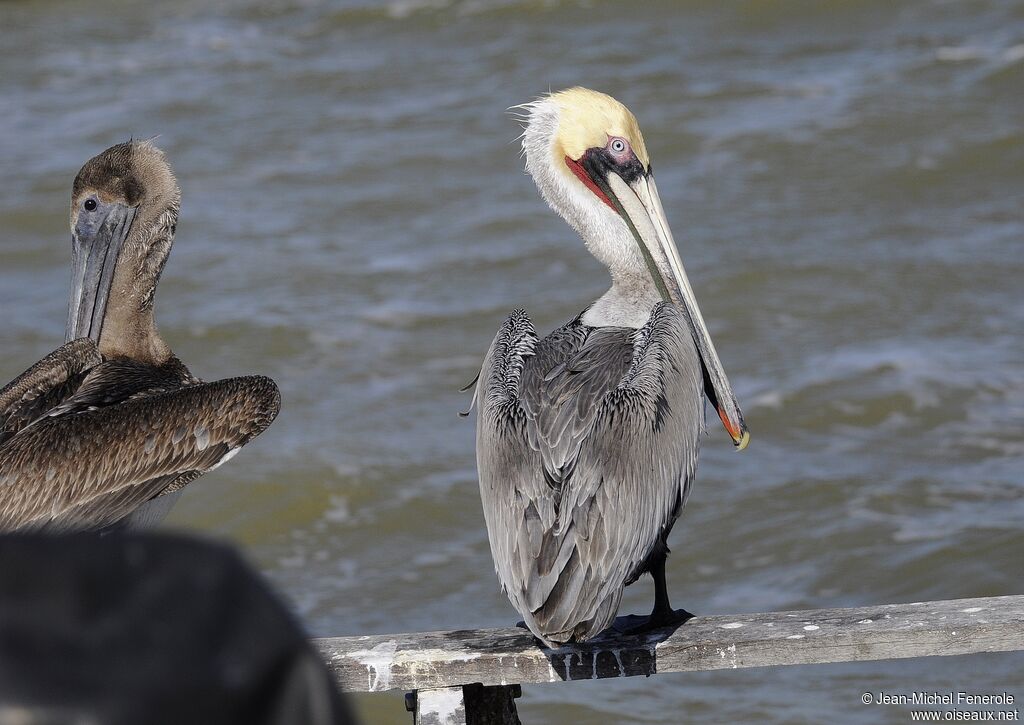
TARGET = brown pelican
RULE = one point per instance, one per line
(587, 439)
(108, 429)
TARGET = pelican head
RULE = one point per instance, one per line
(124, 208)
(585, 151)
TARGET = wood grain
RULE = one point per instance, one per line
(430, 660)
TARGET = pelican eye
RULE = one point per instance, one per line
(618, 146)
(90, 205)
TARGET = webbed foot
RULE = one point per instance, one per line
(635, 624)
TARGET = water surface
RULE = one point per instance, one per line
(844, 180)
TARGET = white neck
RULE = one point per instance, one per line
(633, 294)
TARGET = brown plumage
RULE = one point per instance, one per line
(108, 428)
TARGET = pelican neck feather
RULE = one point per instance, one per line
(633, 294)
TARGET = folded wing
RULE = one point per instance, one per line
(584, 461)
(92, 465)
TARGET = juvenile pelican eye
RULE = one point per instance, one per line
(90, 205)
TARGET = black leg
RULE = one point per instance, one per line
(662, 615)
(663, 611)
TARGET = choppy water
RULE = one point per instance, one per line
(845, 180)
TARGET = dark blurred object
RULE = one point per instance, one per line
(150, 629)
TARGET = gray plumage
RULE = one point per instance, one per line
(587, 440)
(587, 443)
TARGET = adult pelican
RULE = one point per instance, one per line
(109, 428)
(587, 439)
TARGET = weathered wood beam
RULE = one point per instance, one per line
(431, 660)
(466, 705)
(443, 706)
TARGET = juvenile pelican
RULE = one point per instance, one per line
(587, 439)
(108, 429)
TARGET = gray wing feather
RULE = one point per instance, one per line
(92, 469)
(586, 444)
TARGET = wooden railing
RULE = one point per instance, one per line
(473, 676)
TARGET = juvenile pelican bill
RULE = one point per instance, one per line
(95, 250)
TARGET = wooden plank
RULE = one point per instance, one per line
(495, 705)
(443, 706)
(467, 705)
(505, 656)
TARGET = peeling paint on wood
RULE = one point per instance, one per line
(444, 706)
(425, 660)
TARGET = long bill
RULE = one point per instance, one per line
(640, 207)
(95, 249)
